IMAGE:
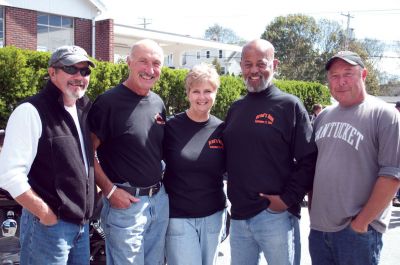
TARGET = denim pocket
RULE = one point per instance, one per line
(176, 227)
(351, 230)
(214, 222)
(36, 221)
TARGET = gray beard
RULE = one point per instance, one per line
(263, 85)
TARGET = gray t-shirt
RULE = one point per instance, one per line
(356, 145)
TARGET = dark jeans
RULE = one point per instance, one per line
(345, 247)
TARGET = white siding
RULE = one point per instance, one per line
(231, 65)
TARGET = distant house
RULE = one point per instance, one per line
(46, 24)
(229, 61)
(180, 51)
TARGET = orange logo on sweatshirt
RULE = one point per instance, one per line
(215, 144)
(264, 118)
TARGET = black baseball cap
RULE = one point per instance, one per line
(347, 56)
(398, 104)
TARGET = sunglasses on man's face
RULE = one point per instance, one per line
(73, 70)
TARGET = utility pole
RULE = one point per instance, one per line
(347, 36)
(145, 23)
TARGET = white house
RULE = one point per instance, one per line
(180, 51)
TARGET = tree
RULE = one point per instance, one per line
(303, 46)
(331, 36)
(330, 39)
(217, 66)
(294, 37)
(371, 82)
(221, 34)
(396, 45)
(375, 49)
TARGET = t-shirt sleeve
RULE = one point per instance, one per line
(99, 119)
(389, 144)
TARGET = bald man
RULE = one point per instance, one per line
(270, 163)
(127, 124)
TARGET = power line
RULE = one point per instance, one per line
(374, 12)
(377, 10)
(145, 23)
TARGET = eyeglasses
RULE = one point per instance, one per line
(73, 70)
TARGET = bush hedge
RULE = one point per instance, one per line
(23, 73)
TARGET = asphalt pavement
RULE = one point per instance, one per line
(390, 254)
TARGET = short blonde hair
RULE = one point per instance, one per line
(202, 72)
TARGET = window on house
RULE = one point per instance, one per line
(198, 55)
(54, 31)
(170, 61)
(220, 54)
(184, 59)
(207, 54)
(1, 26)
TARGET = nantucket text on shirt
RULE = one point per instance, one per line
(340, 130)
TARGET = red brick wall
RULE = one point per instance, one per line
(20, 28)
(83, 34)
(21, 31)
(105, 40)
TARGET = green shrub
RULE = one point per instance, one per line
(171, 88)
(18, 80)
(105, 76)
(308, 92)
(23, 73)
(231, 89)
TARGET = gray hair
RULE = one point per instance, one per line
(202, 72)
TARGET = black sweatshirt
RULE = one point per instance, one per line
(269, 149)
(194, 156)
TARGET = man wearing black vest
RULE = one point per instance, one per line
(46, 164)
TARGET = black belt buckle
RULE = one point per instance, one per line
(150, 191)
(147, 191)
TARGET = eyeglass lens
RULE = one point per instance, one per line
(73, 70)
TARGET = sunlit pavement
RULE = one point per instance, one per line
(391, 242)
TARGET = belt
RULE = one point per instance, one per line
(139, 191)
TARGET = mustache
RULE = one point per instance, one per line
(76, 83)
(146, 75)
(256, 75)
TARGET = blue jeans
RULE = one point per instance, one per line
(59, 244)
(194, 241)
(136, 235)
(277, 235)
(345, 247)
